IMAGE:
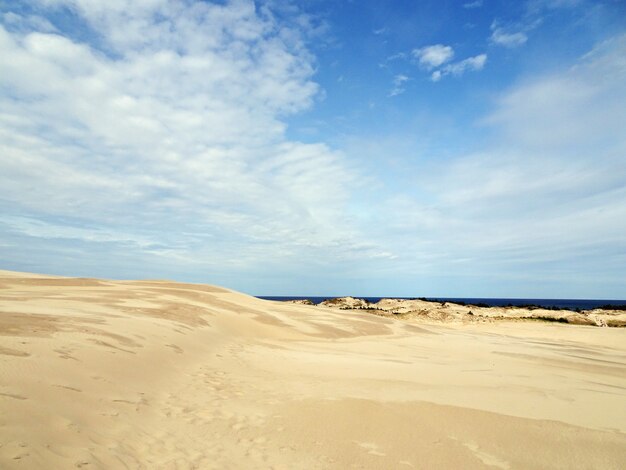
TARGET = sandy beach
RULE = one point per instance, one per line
(160, 374)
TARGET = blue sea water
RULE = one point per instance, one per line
(569, 304)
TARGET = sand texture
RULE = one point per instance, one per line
(159, 374)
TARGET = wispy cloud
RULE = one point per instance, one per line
(516, 34)
(508, 39)
(538, 6)
(512, 36)
(474, 4)
(398, 85)
(24, 23)
(397, 56)
(459, 68)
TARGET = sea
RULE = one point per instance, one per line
(566, 304)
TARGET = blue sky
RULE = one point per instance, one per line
(399, 148)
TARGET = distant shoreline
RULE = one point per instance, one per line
(472, 310)
(559, 304)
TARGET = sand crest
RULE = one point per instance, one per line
(158, 374)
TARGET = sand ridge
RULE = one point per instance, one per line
(158, 374)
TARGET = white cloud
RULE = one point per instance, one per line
(433, 56)
(439, 56)
(155, 142)
(459, 68)
(171, 129)
(501, 37)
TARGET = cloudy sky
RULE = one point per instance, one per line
(399, 148)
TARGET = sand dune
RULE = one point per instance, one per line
(431, 310)
(158, 374)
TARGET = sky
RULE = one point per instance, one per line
(376, 148)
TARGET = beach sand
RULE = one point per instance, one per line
(159, 374)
